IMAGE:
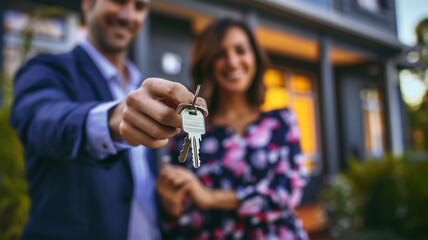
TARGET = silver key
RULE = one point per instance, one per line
(185, 151)
(193, 123)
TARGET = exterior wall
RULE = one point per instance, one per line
(327, 25)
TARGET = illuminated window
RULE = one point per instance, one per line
(286, 89)
(370, 5)
(374, 130)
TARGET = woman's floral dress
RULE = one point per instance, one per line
(264, 167)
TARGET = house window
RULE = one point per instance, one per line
(370, 5)
(374, 129)
(288, 89)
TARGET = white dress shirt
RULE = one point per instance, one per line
(143, 216)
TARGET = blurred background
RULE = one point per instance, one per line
(354, 71)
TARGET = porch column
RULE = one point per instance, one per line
(392, 104)
(141, 46)
(328, 108)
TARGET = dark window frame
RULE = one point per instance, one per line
(384, 18)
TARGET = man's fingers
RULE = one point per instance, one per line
(153, 108)
(153, 129)
(134, 137)
(168, 90)
(173, 92)
(201, 102)
(150, 116)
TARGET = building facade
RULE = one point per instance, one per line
(332, 62)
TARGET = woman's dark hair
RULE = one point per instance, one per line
(207, 47)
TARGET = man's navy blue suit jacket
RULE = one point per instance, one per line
(73, 196)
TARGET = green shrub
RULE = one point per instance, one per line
(379, 199)
(14, 201)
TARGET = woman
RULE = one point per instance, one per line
(251, 173)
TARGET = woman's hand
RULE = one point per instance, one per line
(172, 190)
(175, 182)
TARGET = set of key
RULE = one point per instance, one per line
(193, 124)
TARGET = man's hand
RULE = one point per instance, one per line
(148, 115)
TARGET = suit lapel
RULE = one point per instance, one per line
(152, 161)
(99, 85)
(91, 72)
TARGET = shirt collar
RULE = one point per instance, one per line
(107, 69)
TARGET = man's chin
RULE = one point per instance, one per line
(116, 47)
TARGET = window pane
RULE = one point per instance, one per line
(301, 83)
(374, 137)
(276, 94)
(303, 106)
(295, 91)
(370, 5)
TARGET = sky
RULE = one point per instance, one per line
(409, 14)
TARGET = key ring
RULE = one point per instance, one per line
(182, 106)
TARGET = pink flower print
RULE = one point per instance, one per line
(285, 234)
(289, 117)
(282, 167)
(296, 183)
(244, 192)
(260, 136)
(225, 184)
(238, 231)
(196, 219)
(296, 196)
(234, 155)
(228, 226)
(185, 220)
(263, 187)
(293, 135)
(217, 233)
(259, 234)
(206, 180)
(235, 149)
(240, 168)
(273, 156)
(283, 196)
(210, 145)
(251, 206)
(301, 168)
(272, 146)
(210, 128)
(259, 159)
(203, 236)
(273, 215)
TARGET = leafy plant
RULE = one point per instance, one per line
(379, 198)
(14, 200)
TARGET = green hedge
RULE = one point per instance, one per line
(14, 201)
(379, 199)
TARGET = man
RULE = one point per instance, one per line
(76, 113)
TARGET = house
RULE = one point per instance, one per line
(333, 62)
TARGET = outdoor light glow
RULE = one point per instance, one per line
(171, 63)
(412, 87)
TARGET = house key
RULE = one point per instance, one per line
(193, 124)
